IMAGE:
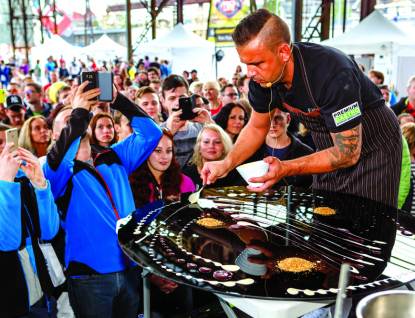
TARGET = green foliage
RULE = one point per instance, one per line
(272, 5)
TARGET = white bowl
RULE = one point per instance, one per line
(248, 267)
(253, 169)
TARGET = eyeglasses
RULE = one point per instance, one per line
(29, 92)
(232, 94)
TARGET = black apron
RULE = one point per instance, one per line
(376, 175)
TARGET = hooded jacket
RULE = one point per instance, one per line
(91, 198)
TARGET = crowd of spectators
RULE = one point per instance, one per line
(140, 141)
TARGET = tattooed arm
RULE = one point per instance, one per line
(344, 153)
(347, 147)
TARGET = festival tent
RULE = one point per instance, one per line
(185, 50)
(57, 47)
(104, 48)
(377, 35)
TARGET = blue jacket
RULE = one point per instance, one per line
(92, 198)
(17, 221)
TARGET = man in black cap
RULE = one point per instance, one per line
(14, 111)
(193, 77)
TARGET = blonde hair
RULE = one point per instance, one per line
(195, 85)
(197, 158)
(408, 131)
(214, 84)
(25, 137)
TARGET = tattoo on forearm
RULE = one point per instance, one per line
(347, 146)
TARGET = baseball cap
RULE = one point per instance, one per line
(193, 71)
(14, 102)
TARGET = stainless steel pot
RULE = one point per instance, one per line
(387, 304)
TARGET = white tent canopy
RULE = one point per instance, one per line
(57, 47)
(375, 34)
(186, 50)
(393, 48)
(105, 46)
(179, 37)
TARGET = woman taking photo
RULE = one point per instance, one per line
(232, 118)
(35, 136)
(159, 176)
(103, 132)
(212, 144)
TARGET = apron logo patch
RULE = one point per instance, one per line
(346, 114)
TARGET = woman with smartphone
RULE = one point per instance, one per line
(212, 144)
(103, 132)
(35, 136)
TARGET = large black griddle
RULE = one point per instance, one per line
(374, 238)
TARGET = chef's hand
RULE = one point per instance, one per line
(213, 170)
(276, 172)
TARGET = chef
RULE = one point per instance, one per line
(358, 140)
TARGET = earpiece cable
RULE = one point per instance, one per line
(270, 121)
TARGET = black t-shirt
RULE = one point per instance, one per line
(340, 90)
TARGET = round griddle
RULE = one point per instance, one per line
(166, 239)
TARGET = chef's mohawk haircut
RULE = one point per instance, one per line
(271, 29)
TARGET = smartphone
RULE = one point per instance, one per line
(185, 103)
(12, 135)
(92, 79)
(2, 96)
(102, 80)
(105, 83)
